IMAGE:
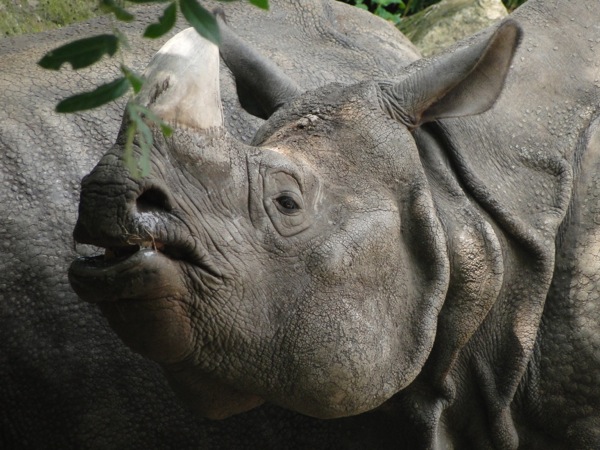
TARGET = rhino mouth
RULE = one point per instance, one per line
(141, 289)
(117, 257)
(137, 269)
(180, 251)
(115, 254)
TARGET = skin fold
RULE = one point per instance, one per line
(377, 246)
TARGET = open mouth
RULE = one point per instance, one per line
(139, 269)
(114, 255)
(130, 272)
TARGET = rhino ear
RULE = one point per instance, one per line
(182, 82)
(462, 83)
(261, 85)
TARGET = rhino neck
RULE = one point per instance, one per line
(475, 247)
(502, 261)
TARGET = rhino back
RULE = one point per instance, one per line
(565, 368)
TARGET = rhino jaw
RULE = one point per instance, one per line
(208, 397)
(140, 292)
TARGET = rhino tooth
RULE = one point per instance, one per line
(154, 245)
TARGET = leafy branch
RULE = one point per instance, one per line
(88, 51)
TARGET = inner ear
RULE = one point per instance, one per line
(479, 89)
(253, 103)
(462, 83)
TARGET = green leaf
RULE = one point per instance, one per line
(134, 79)
(166, 129)
(99, 96)
(144, 134)
(165, 22)
(202, 20)
(139, 117)
(143, 111)
(128, 153)
(80, 53)
(264, 4)
(120, 13)
(148, 1)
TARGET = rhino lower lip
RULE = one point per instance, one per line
(131, 272)
(142, 271)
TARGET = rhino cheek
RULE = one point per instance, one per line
(351, 346)
(347, 371)
(378, 286)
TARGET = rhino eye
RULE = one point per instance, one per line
(287, 204)
(283, 201)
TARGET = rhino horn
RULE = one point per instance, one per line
(261, 85)
(465, 82)
(182, 82)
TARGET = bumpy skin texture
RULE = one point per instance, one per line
(392, 242)
(66, 381)
(425, 243)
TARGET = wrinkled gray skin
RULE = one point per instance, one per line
(424, 245)
(66, 380)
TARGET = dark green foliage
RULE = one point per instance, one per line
(81, 53)
(164, 24)
(120, 13)
(391, 9)
(263, 4)
(99, 96)
(85, 52)
(134, 79)
(201, 19)
(513, 4)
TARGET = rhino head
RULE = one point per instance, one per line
(307, 268)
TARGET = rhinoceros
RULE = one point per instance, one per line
(421, 245)
(414, 250)
(66, 380)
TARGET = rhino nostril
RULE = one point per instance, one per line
(153, 199)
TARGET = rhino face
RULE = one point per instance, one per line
(306, 269)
